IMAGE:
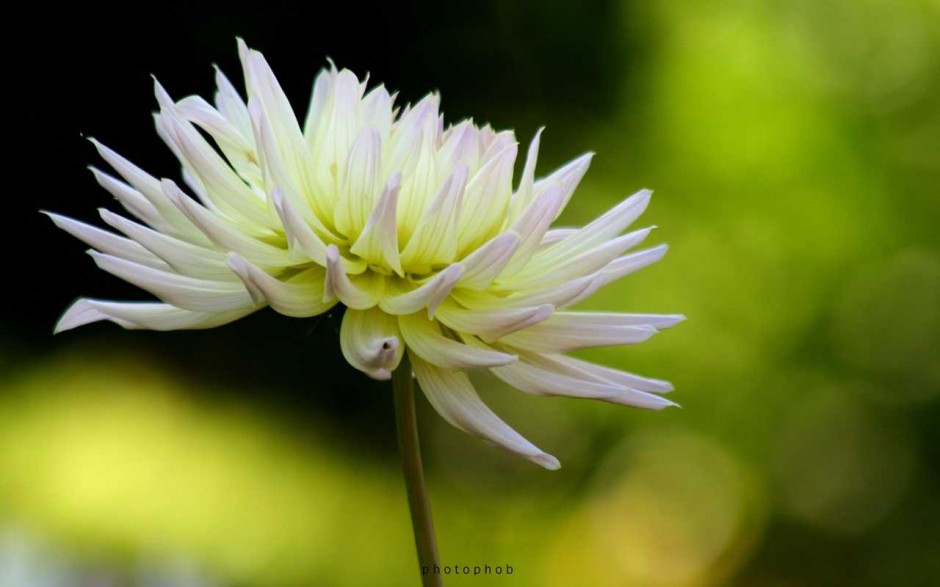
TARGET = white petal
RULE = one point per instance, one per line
(419, 182)
(224, 234)
(279, 178)
(107, 242)
(531, 377)
(483, 265)
(428, 295)
(569, 176)
(301, 296)
(378, 243)
(532, 225)
(361, 295)
(628, 264)
(486, 200)
(533, 277)
(262, 84)
(565, 293)
(556, 234)
(359, 183)
(230, 104)
(301, 236)
(319, 102)
(460, 145)
(149, 187)
(608, 226)
(424, 337)
(223, 187)
(134, 202)
(455, 399)
(189, 293)
(377, 111)
(605, 319)
(553, 336)
(342, 127)
(144, 315)
(183, 257)
(493, 323)
(238, 149)
(369, 340)
(435, 239)
(540, 374)
(198, 111)
(623, 378)
(410, 133)
(523, 196)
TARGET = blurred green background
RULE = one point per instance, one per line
(794, 150)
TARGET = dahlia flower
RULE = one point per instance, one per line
(412, 225)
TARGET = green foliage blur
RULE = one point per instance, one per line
(794, 151)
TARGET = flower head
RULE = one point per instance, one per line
(412, 225)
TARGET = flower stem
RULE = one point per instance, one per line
(418, 500)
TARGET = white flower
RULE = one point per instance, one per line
(413, 226)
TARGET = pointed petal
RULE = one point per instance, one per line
(558, 336)
(628, 264)
(539, 374)
(278, 178)
(301, 296)
(523, 196)
(190, 293)
(319, 102)
(144, 315)
(377, 111)
(331, 129)
(303, 241)
(594, 234)
(231, 105)
(359, 183)
(134, 202)
(224, 188)
(485, 200)
(622, 378)
(556, 234)
(569, 176)
(378, 243)
(460, 145)
(107, 242)
(435, 240)
(238, 149)
(424, 337)
(183, 257)
(533, 224)
(224, 234)
(455, 399)
(604, 319)
(149, 187)
(420, 181)
(486, 263)
(531, 377)
(361, 295)
(429, 295)
(534, 277)
(559, 295)
(263, 85)
(493, 323)
(370, 342)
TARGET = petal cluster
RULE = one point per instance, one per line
(415, 227)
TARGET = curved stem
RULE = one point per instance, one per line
(418, 500)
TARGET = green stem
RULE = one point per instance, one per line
(418, 500)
